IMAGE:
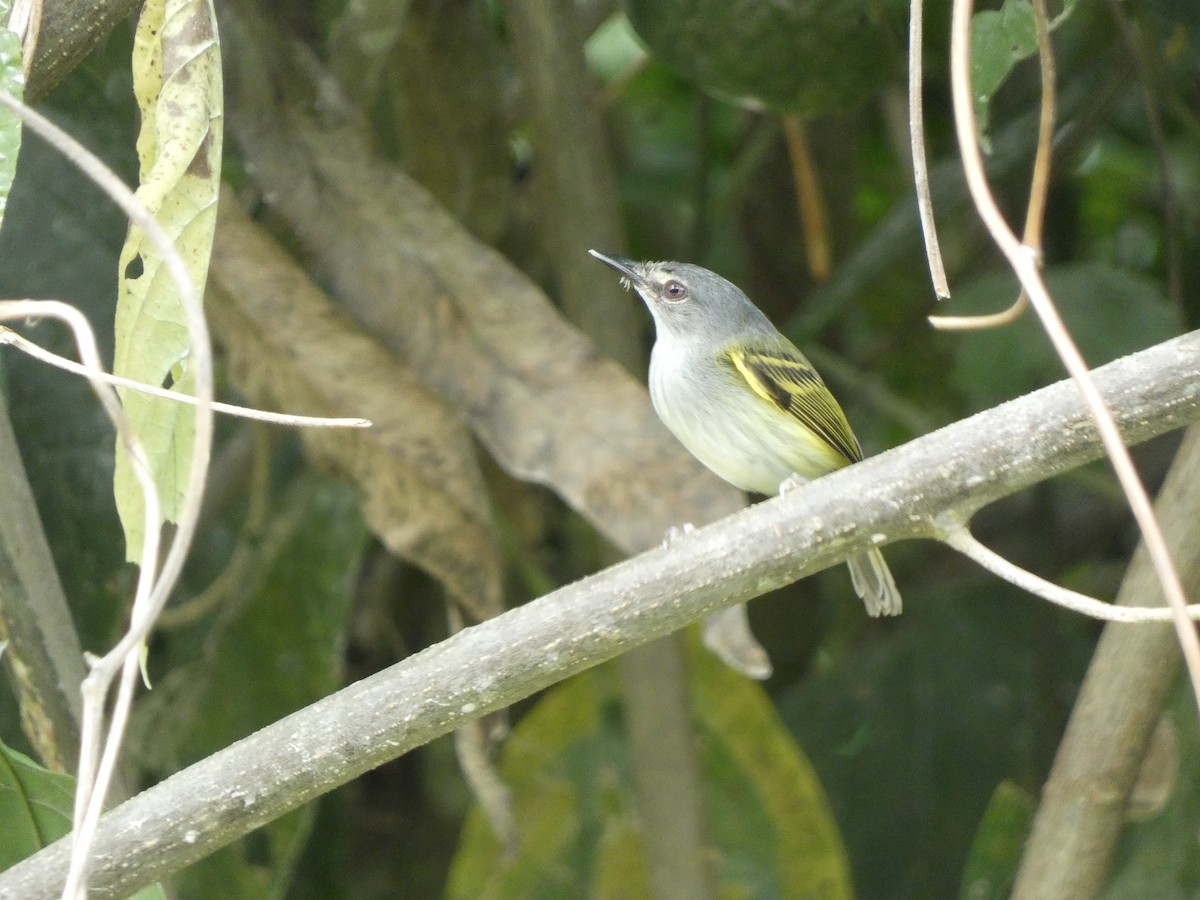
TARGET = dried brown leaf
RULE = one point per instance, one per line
(290, 348)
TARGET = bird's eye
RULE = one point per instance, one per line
(674, 290)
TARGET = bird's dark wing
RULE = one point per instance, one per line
(785, 378)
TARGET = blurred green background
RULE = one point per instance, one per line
(913, 728)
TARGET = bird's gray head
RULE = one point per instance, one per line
(687, 300)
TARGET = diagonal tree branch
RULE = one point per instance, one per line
(955, 470)
(1082, 812)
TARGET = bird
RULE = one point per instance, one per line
(742, 398)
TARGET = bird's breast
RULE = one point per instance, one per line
(743, 438)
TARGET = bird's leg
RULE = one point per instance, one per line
(792, 483)
(675, 532)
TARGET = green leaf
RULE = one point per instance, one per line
(177, 80)
(35, 806)
(35, 811)
(811, 57)
(996, 852)
(275, 645)
(568, 767)
(770, 816)
(1001, 38)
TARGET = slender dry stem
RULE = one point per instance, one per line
(11, 338)
(961, 539)
(1024, 261)
(1039, 188)
(916, 132)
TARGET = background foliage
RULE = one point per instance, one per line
(903, 756)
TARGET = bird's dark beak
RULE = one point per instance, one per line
(627, 268)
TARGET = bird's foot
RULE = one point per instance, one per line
(792, 483)
(675, 532)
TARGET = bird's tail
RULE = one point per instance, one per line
(873, 582)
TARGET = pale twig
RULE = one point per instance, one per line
(916, 133)
(123, 658)
(960, 538)
(89, 756)
(11, 338)
(1024, 261)
(982, 322)
(1039, 188)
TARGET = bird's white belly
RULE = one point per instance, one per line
(743, 438)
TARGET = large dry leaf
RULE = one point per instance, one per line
(479, 333)
(177, 80)
(289, 348)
